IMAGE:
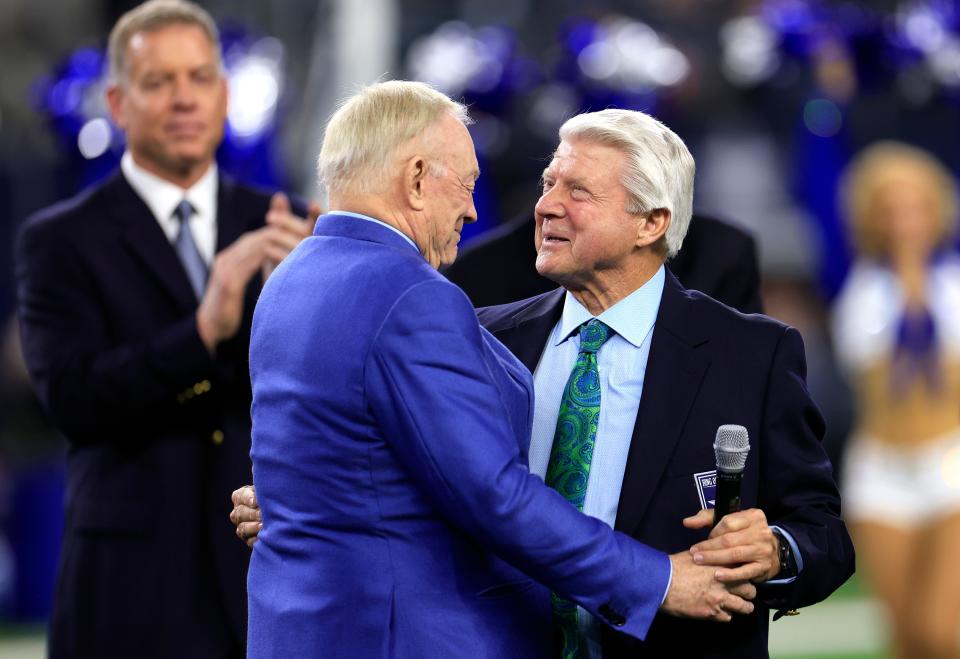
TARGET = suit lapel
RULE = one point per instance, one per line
(527, 335)
(143, 237)
(675, 371)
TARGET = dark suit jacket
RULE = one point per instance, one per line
(711, 365)
(717, 258)
(109, 336)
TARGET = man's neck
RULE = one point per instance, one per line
(607, 288)
(376, 207)
(184, 178)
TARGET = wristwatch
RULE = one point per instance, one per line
(788, 566)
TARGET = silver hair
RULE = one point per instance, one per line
(660, 169)
(363, 136)
(154, 15)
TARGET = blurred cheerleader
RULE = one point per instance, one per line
(897, 331)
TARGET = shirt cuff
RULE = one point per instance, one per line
(669, 581)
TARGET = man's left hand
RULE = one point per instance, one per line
(742, 545)
(281, 215)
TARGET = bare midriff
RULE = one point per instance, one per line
(911, 415)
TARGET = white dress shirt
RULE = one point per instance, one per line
(162, 198)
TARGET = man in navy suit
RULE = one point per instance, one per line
(616, 203)
(135, 301)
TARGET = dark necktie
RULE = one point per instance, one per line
(572, 453)
(193, 263)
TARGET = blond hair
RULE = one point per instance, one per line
(363, 136)
(659, 171)
(878, 167)
(154, 15)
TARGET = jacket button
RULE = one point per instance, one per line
(614, 618)
(217, 437)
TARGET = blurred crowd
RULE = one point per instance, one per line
(826, 130)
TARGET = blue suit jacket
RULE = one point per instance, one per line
(711, 365)
(389, 447)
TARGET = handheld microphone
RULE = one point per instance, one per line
(731, 448)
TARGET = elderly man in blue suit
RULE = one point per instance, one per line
(391, 434)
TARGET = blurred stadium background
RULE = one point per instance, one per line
(772, 96)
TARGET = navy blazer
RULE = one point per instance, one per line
(109, 336)
(710, 365)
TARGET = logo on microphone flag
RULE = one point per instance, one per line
(706, 482)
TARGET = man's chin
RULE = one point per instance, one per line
(449, 256)
(547, 269)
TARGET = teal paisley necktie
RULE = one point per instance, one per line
(572, 453)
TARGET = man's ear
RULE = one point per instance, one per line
(415, 170)
(115, 104)
(653, 226)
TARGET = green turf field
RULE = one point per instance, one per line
(849, 625)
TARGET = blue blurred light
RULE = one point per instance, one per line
(86, 63)
(578, 34)
(65, 96)
(94, 138)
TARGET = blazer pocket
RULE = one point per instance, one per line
(505, 589)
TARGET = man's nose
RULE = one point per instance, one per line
(549, 204)
(471, 215)
(184, 95)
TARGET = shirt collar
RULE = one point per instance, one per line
(162, 196)
(380, 222)
(632, 317)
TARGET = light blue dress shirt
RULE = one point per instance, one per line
(622, 364)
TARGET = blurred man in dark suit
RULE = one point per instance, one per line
(717, 258)
(135, 300)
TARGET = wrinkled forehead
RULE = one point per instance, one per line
(585, 158)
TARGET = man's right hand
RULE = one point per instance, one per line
(246, 514)
(695, 592)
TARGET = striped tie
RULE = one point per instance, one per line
(193, 263)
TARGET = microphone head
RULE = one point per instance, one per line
(731, 448)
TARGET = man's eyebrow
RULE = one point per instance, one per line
(579, 182)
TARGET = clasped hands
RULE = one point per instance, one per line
(713, 580)
(716, 578)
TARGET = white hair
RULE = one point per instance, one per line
(362, 138)
(660, 169)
